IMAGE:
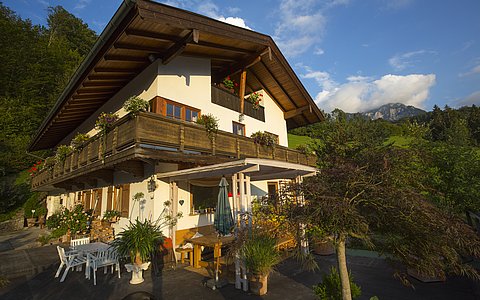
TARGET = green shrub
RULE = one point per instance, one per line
(135, 104)
(331, 289)
(210, 122)
(260, 253)
(79, 140)
(44, 239)
(61, 154)
(108, 214)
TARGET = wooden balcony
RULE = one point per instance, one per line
(148, 138)
(231, 101)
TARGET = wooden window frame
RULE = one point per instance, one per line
(158, 105)
(242, 125)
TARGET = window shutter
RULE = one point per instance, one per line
(86, 197)
(125, 199)
(98, 207)
(109, 198)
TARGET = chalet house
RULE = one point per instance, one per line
(177, 60)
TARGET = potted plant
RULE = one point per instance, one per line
(138, 242)
(264, 138)
(61, 154)
(321, 242)
(111, 216)
(229, 84)
(135, 104)
(78, 142)
(255, 99)
(210, 122)
(261, 255)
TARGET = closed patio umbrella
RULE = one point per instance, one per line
(223, 221)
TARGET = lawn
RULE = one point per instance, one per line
(295, 140)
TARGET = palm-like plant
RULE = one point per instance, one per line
(138, 241)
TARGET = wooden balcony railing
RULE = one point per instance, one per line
(231, 101)
(153, 131)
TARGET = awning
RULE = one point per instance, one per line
(257, 169)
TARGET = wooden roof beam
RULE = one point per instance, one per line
(116, 70)
(96, 89)
(105, 83)
(151, 35)
(279, 85)
(179, 46)
(110, 77)
(129, 58)
(135, 47)
(264, 87)
(295, 112)
(242, 65)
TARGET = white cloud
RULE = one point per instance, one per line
(364, 93)
(473, 98)
(401, 61)
(472, 71)
(81, 4)
(303, 24)
(318, 51)
(234, 21)
(209, 9)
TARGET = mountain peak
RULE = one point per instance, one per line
(393, 112)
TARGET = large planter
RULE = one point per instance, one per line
(258, 284)
(323, 247)
(137, 272)
(423, 278)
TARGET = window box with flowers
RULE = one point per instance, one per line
(229, 85)
(255, 98)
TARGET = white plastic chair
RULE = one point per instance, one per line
(104, 258)
(76, 242)
(69, 260)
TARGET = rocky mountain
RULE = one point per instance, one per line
(393, 112)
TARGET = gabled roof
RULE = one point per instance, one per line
(143, 31)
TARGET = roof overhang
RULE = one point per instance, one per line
(257, 169)
(141, 32)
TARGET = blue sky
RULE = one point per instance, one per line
(351, 54)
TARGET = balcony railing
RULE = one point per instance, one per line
(231, 101)
(158, 133)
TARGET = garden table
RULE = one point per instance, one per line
(90, 248)
(211, 240)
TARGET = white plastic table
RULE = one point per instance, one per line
(90, 248)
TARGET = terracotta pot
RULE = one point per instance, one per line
(323, 247)
(258, 284)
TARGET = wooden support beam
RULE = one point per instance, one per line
(106, 175)
(129, 58)
(135, 47)
(179, 46)
(96, 89)
(238, 67)
(104, 83)
(295, 112)
(122, 77)
(116, 70)
(151, 35)
(241, 94)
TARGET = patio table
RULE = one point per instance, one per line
(211, 240)
(90, 248)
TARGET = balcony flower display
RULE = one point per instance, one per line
(105, 121)
(135, 104)
(263, 138)
(35, 168)
(229, 84)
(255, 99)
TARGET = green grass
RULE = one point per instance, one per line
(399, 141)
(295, 140)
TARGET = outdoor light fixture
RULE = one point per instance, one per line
(151, 185)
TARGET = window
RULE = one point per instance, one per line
(238, 128)
(272, 190)
(203, 198)
(191, 115)
(174, 110)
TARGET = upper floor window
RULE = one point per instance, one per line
(238, 128)
(174, 110)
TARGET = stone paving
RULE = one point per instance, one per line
(374, 275)
(36, 269)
